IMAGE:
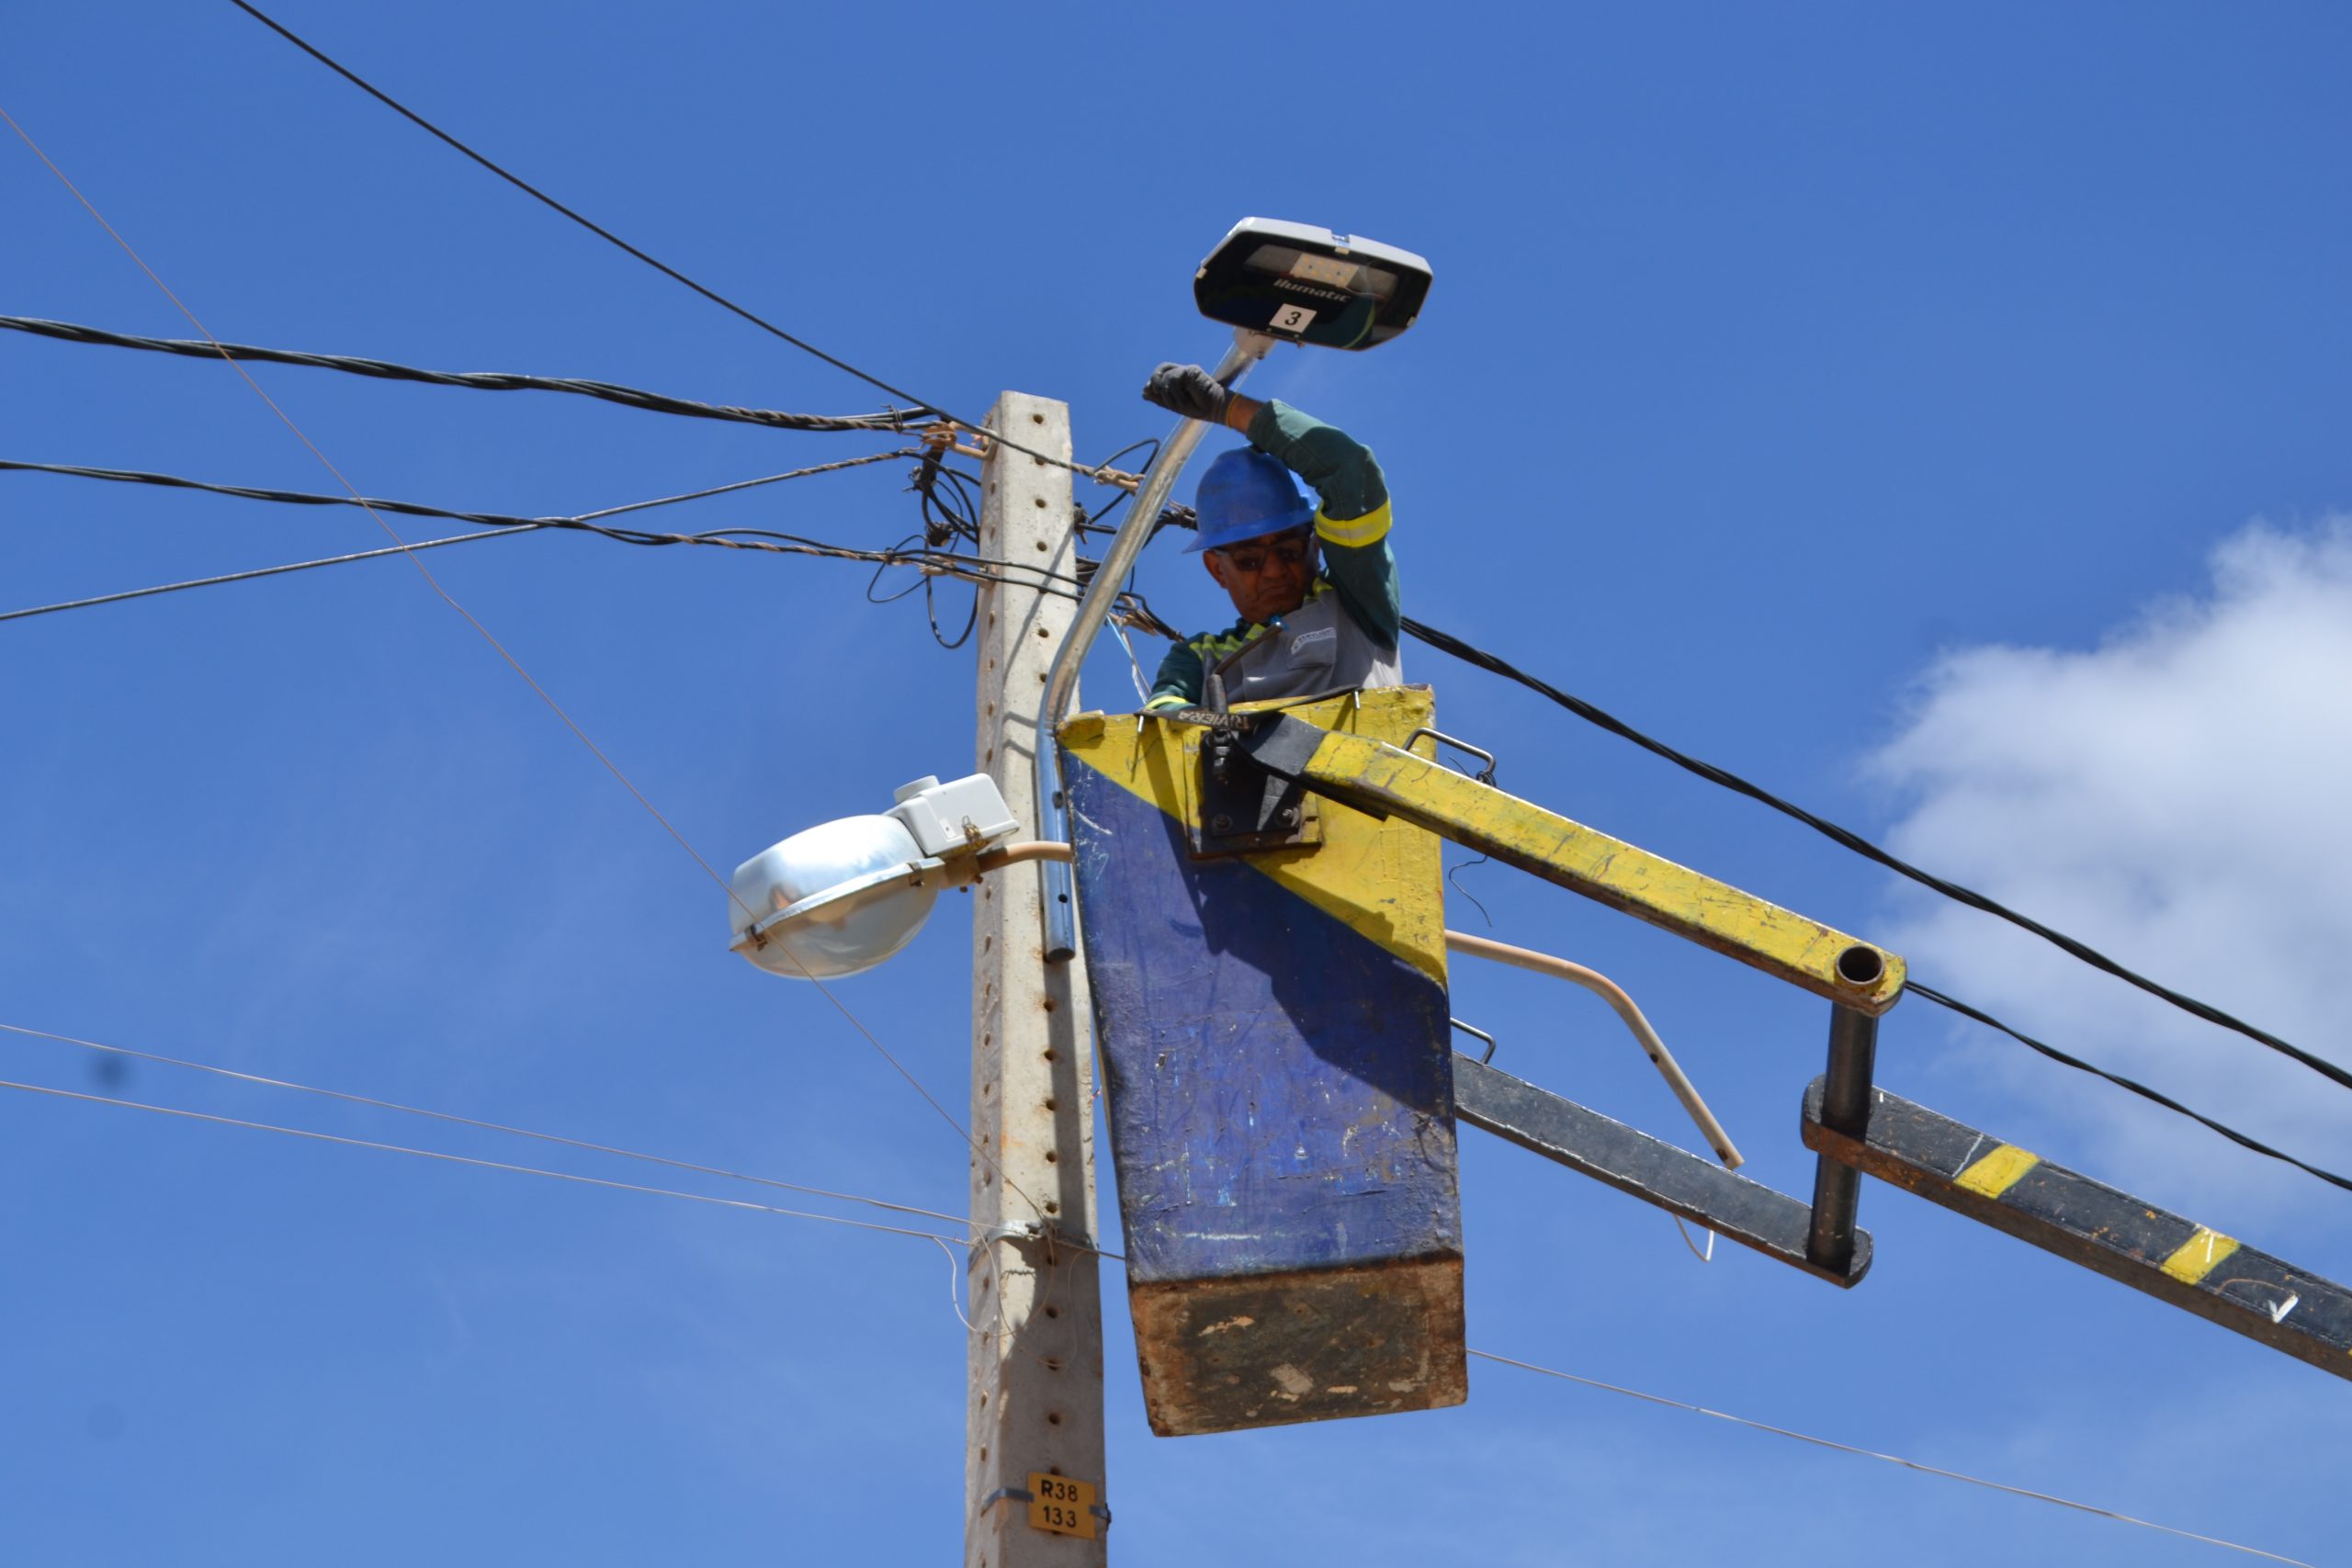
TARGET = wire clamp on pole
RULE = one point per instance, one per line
(1023, 1495)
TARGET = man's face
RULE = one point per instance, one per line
(1266, 577)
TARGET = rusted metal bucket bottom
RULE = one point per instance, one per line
(1310, 1345)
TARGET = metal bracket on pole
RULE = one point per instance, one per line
(1101, 591)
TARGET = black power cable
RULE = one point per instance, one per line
(1446, 643)
(417, 509)
(970, 568)
(1131, 609)
(478, 380)
(609, 237)
(2143, 1091)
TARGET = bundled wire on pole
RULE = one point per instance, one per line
(897, 420)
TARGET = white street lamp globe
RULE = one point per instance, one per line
(834, 900)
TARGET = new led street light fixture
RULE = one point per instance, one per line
(1302, 284)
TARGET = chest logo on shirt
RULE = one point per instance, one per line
(1327, 634)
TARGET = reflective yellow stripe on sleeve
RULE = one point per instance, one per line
(1356, 532)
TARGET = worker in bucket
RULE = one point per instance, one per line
(1307, 627)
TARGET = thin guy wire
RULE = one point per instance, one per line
(476, 381)
(609, 237)
(512, 661)
(471, 1160)
(1928, 993)
(415, 509)
(929, 563)
(735, 538)
(259, 572)
(1890, 1459)
(473, 1122)
(1446, 643)
(708, 492)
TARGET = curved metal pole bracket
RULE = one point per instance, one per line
(1101, 591)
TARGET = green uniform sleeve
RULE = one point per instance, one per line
(1177, 684)
(1353, 520)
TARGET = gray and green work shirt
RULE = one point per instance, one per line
(1344, 635)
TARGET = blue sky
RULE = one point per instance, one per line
(1938, 417)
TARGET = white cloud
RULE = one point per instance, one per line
(2180, 797)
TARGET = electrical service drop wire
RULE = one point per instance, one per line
(1846, 837)
(658, 265)
(417, 509)
(933, 562)
(929, 563)
(478, 380)
(1890, 1458)
(544, 696)
(413, 545)
(472, 1160)
(473, 1122)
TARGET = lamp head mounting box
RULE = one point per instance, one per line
(1303, 284)
(954, 819)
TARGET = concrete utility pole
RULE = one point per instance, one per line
(1034, 1407)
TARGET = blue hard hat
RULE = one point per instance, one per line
(1245, 496)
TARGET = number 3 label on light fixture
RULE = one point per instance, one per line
(1290, 319)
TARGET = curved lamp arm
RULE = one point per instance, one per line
(1101, 591)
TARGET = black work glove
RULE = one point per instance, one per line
(1189, 391)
